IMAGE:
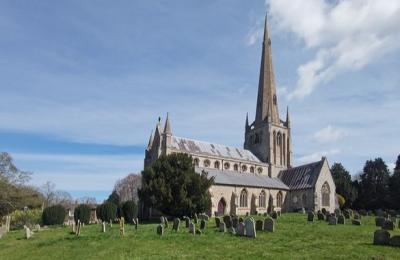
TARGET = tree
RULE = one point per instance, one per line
(394, 186)
(129, 210)
(172, 186)
(10, 173)
(114, 198)
(82, 213)
(127, 187)
(54, 215)
(55, 197)
(374, 185)
(106, 211)
(344, 185)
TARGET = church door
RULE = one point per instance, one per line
(221, 207)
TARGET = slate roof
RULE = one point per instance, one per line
(243, 179)
(303, 176)
(205, 148)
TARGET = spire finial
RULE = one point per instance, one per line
(167, 127)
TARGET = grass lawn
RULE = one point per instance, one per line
(293, 238)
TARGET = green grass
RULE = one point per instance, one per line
(294, 238)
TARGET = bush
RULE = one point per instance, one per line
(54, 215)
(341, 200)
(129, 210)
(82, 212)
(30, 217)
(106, 211)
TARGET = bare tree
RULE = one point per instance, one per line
(53, 196)
(127, 187)
(10, 173)
(86, 200)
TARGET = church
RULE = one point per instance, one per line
(260, 177)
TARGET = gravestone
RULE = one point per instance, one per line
(177, 223)
(357, 216)
(324, 211)
(192, 228)
(187, 222)
(320, 216)
(195, 218)
(228, 221)
(250, 228)
(217, 221)
(337, 212)
(165, 222)
(3, 230)
(122, 226)
(136, 223)
(388, 225)
(28, 232)
(104, 227)
(241, 230)
(333, 220)
(235, 222)
(203, 224)
(341, 220)
(232, 231)
(110, 223)
(222, 227)
(356, 222)
(274, 215)
(37, 227)
(346, 214)
(269, 225)
(381, 237)
(259, 225)
(310, 216)
(160, 229)
(73, 227)
(8, 223)
(133, 221)
(162, 220)
(395, 241)
(379, 221)
(303, 211)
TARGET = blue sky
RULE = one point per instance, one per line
(82, 83)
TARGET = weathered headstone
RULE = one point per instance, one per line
(250, 228)
(203, 224)
(388, 225)
(3, 230)
(103, 227)
(259, 225)
(28, 232)
(379, 221)
(228, 221)
(110, 223)
(241, 230)
(217, 221)
(341, 220)
(381, 237)
(269, 225)
(192, 228)
(177, 223)
(395, 241)
(160, 229)
(337, 212)
(222, 227)
(122, 226)
(310, 216)
(356, 222)
(8, 223)
(303, 211)
(333, 220)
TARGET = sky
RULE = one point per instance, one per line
(82, 83)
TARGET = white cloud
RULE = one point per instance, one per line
(316, 156)
(391, 166)
(329, 134)
(347, 35)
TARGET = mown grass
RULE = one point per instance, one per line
(294, 238)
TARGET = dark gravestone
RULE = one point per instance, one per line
(235, 222)
(310, 216)
(217, 221)
(176, 224)
(195, 218)
(241, 230)
(346, 214)
(274, 215)
(356, 222)
(333, 220)
(250, 228)
(324, 211)
(388, 225)
(269, 225)
(341, 220)
(395, 241)
(321, 216)
(160, 229)
(381, 237)
(379, 221)
(228, 221)
(165, 222)
(222, 227)
(259, 225)
(187, 222)
(203, 224)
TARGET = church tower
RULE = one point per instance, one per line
(268, 137)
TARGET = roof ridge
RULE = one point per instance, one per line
(195, 140)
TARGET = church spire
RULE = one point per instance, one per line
(247, 122)
(287, 117)
(167, 127)
(151, 139)
(266, 99)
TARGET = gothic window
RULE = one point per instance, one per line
(275, 100)
(279, 139)
(196, 162)
(252, 169)
(325, 195)
(243, 199)
(226, 166)
(206, 163)
(236, 167)
(260, 170)
(216, 164)
(261, 199)
(279, 200)
(244, 168)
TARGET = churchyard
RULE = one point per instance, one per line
(292, 237)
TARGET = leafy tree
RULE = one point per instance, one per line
(172, 186)
(82, 213)
(394, 186)
(114, 198)
(344, 185)
(54, 215)
(127, 187)
(129, 210)
(106, 211)
(374, 185)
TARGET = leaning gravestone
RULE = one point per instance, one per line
(241, 230)
(235, 222)
(310, 216)
(388, 225)
(379, 221)
(176, 224)
(395, 241)
(192, 228)
(381, 237)
(160, 229)
(250, 228)
(203, 224)
(333, 220)
(259, 225)
(228, 221)
(269, 225)
(341, 220)
(222, 227)
(103, 227)
(217, 221)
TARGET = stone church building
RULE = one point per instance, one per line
(260, 177)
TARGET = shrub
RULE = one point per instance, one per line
(341, 200)
(82, 212)
(129, 210)
(54, 215)
(30, 217)
(106, 211)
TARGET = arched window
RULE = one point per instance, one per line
(206, 163)
(274, 99)
(260, 170)
(216, 164)
(244, 168)
(243, 199)
(226, 166)
(261, 199)
(236, 167)
(196, 162)
(252, 169)
(279, 200)
(279, 139)
(325, 192)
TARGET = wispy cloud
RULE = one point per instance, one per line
(316, 156)
(329, 134)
